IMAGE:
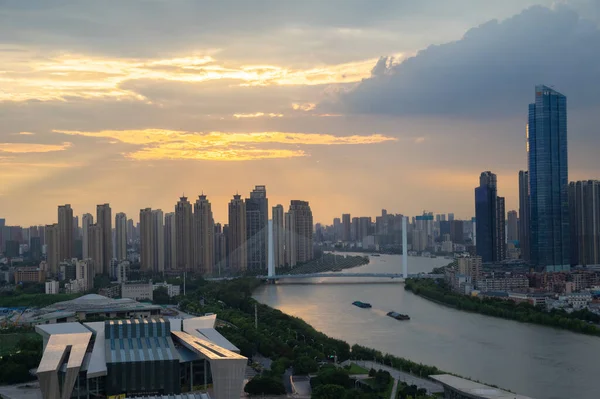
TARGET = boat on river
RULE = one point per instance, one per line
(398, 316)
(360, 304)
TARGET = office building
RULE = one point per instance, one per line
(104, 222)
(257, 232)
(489, 213)
(584, 204)
(204, 233)
(236, 239)
(303, 230)
(347, 227)
(456, 231)
(86, 221)
(548, 179)
(162, 357)
(120, 236)
(278, 236)
(290, 240)
(184, 234)
(512, 229)
(65, 227)
(524, 214)
(95, 247)
(137, 291)
(170, 243)
(53, 248)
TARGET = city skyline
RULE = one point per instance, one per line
(355, 104)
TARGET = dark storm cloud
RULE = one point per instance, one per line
(490, 72)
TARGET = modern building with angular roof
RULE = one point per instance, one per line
(138, 357)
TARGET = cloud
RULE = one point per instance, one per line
(220, 146)
(490, 71)
(24, 148)
(258, 115)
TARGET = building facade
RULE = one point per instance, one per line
(53, 248)
(104, 222)
(184, 234)
(146, 242)
(86, 221)
(120, 236)
(524, 214)
(290, 240)
(303, 230)
(347, 227)
(548, 179)
(489, 213)
(278, 236)
(204, 236)
(170, 243)
(65, 227)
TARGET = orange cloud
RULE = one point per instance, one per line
(24, 148)
(258, 115)
(222, 146)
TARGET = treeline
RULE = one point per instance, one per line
(14, 299)
(26, 355)
(364, 353)
(578, 321)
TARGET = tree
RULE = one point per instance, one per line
(160, 296)
(305, 365)
(328, 392)
(260, 385)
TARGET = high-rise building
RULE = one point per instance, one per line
(489, 213)
(456, 230)
(184, 234)
(104, 221)
(146, 251)
(130, 231)
(303, 229)
(204, 242)
(158, 242)
(170, 243)
(278, 236)
(347, 226)
(470, 266)
(35, 248)
(512, 230)
(236, 239)
(524, 214)
(121, 236)
(86, 221)
(257, 232)
(584, 204)
(53, 247)
(220, 249)
(95, 247)
(65, 227)
(450, 217)
(548, 179)
(76, 231)
(364, 227)
(290, 240)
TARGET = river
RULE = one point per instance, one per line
(532, 360)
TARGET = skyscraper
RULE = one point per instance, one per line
(257, 234)
(204, 230)
(146, 252)
(347, 225)
(53, 247)
(290, 239)
(584, 204)
(65, 227)
(158, 242)
(96, 247)
(278, 236)
(303, 229)
(104, 221)
(489, 213)
(220, 249)
(450, 217)
(548, 178)
(184, 234)
(512, 230)
(86, 221)
(121, 236)
(130, 231)
(170, 243)
(237, 235)
(524, 214)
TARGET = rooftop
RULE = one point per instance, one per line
(94, 302)
(475, 389)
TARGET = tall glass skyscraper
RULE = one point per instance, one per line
(489, 213)
(548, 178)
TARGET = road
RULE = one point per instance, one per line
(402, 376)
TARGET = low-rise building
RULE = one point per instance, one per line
(503, 283)
(173, 290)
(461, 388)
(29, 275)
(137, 291)
(577, 300)
(52, 287)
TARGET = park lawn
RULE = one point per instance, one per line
(8, 342)
(356, 369)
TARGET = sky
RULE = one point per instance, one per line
(351, 105)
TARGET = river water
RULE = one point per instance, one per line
(532, 360)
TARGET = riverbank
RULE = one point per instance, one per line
(439, 293)
(328, 262)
